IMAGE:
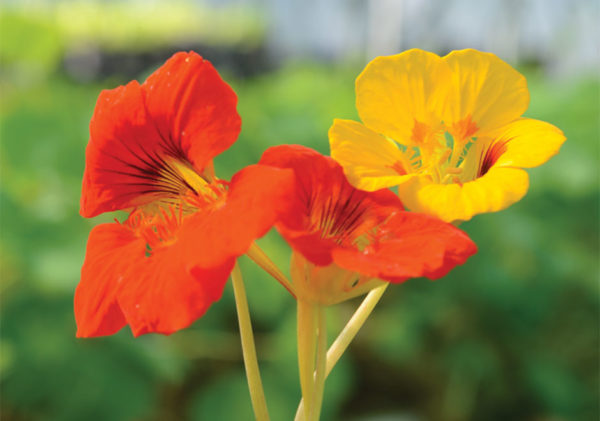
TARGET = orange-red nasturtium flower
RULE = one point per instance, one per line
(345, 241)
(151, 151)
(448, 131)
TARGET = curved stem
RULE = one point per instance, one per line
(257, 394)
(261, 259)
(339, 346)
(358, 319)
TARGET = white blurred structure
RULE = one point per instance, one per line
(563, 35)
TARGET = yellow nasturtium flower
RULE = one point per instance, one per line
(446, 130)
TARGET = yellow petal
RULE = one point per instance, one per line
(370, 161)
(499, 188)
(487, 93)
(528, 143)
(401, 96)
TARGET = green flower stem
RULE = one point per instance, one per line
(307, 343)
(257, 394)
(357, 320)
(344, 339)
(321, 363)
(261, 259)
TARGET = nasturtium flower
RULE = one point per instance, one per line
(448, 131)
(346, 241)
(150, 152)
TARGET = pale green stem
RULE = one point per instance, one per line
(261, 259)
(307, 342)
(339, 346)
(321, 364)
(257, 394)
(358, 319)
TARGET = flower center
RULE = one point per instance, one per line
(338, 214)
(183, 192)
(158, 229)
(440, 153)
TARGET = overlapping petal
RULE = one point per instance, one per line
(370, 161)
(402, 96)
(258, 195)
(486, 93)
(474, 97)
(164, 288)
(381, 241)
(327, 212)
(184, 112)
(151, 149)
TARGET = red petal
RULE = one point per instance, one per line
(118, 156)
(192, 106)
(323, 193)
(257, 196)
(410, 245)
(167, 292)
(96, 310)
(183, 111)
(161, 292)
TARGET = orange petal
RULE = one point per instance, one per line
(192, 107)
(183, 112)
(411, 245)
(97, 312)
(118, 169)
(326, 211)
(258, 195)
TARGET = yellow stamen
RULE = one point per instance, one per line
(185, 175)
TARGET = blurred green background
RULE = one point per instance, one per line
(511, 335)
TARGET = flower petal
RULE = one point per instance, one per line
(120, 153)
(183, 112)
(410, 245)
(370, 161)
(401, 96)
(179, 282)
(487, 93)
(161, 291)
(168, 291)
(528, 143)
(97, 312)
(499, 188)
(192, 107)
(326, 212)
(258, 195)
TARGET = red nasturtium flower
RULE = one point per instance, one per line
(150, 151)
(345, 241)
